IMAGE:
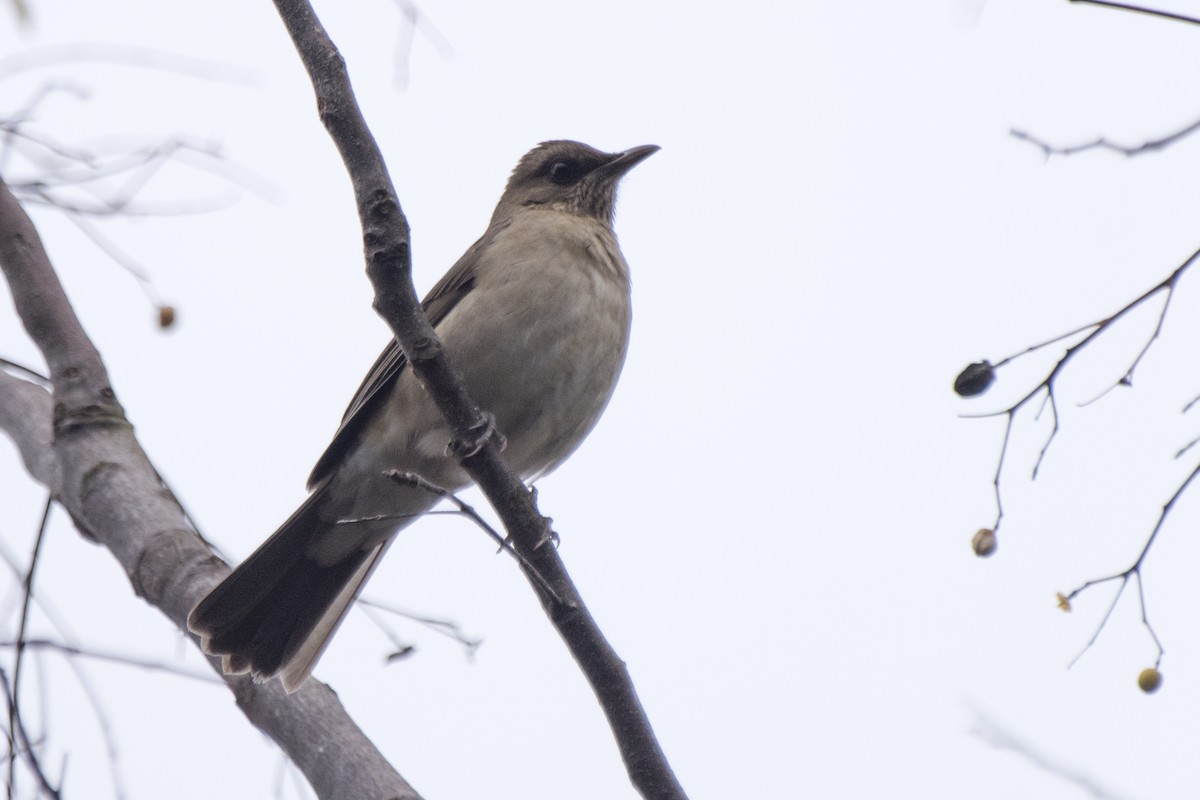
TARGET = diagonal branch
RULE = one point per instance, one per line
(79, 444)
(388, 256)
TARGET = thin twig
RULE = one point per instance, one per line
(505, 545)
(1153, 12)
(28, 372)
(1134, 572)
(85, 681)
(118, 255)
(997, 737)
(450, 630)
(1045, 388)
(71, 650)
(14, 707)
(127, 56)
(21, 744)
(1103, 143)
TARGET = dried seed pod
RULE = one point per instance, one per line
(1149, 680)
(974, 379)
(984, 542)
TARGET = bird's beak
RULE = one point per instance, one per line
(623, 162)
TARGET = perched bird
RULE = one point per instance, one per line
(536, 317)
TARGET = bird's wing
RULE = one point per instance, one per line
(444, 296)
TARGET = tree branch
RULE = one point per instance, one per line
(389, 266)
(1046, 387)
(79, 444)
(1102, 143)
(1153, 12)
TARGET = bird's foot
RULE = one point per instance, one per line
(475, 438)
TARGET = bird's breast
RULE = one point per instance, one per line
(542, 336)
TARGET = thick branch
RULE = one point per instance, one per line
(84, 450)
(386, 245)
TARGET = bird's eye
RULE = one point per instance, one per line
(563, 172)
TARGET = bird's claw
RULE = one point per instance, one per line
(476, 437)
(549, 536)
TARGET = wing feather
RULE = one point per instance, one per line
(456, 284)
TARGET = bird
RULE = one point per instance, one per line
(536, 317)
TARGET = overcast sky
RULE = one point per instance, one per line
(772, 521)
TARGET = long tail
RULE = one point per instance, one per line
(275, 614)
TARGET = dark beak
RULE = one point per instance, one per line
(623, 162)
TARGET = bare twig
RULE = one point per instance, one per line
(85, 682)
(127, 56)
(420, 20)
(14, 706)
(28, 372)
(451, 630)
(105, 181)
(71, 650)
(1134, 571)
(1153, 12)
(1102, 143)
(415, 19)
(20, 744)
(991, 733)
(117, 254)
(1045, 388)
(465, 509)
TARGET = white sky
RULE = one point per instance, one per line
(772, 521)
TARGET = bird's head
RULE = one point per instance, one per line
(570, 176)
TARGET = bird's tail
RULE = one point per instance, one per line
(275, 614)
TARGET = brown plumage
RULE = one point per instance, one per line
(536, 317)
